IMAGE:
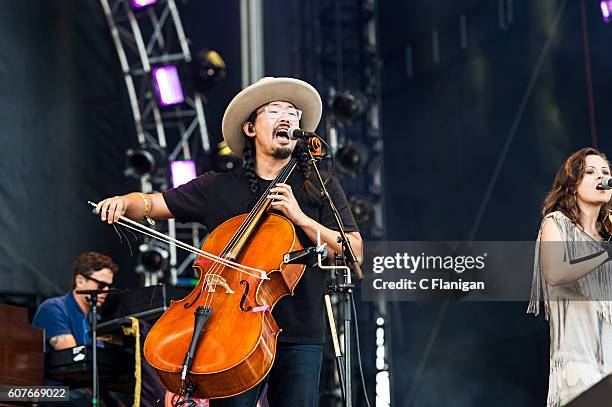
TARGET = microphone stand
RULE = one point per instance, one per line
(345, 287)
(347, 250)
(92, 297)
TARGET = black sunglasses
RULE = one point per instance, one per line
(102, 285)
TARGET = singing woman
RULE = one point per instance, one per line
(573, 276)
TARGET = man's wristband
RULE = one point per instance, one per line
(148, 209)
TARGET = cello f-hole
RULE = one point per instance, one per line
(244, 296)
(189, 305)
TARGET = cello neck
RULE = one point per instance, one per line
(248, 227)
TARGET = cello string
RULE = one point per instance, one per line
(283, 176)
(192, 250)
(218, 269)
(288, 168)
(285, 172)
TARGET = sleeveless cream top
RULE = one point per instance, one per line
(579, 317)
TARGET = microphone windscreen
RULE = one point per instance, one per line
(292, 130)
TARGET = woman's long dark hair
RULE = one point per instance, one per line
(562, 196)
(313, 194)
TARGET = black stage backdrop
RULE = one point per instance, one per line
(449, 130)
(65, 125)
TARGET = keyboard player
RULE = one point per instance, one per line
(66, 323)
(64, 318)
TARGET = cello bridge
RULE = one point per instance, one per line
(214, 280)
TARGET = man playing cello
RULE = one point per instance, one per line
(255, 126)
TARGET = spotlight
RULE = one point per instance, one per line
(606, 10)
(348, 106)
(225, 160)
(168, 85)
(362, 209)
(182, 172)
(207, 69)
(152, 257)
(142, 3)
(144, 161)
(352, 157)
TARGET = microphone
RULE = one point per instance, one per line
(296, 133)
(605, 183)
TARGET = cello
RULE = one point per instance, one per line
(220, 340)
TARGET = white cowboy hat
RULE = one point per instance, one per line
(301, 94)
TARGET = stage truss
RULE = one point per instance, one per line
(146, 38)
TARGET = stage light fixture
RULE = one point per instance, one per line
(142, 3)
(168, 85)
(348, 106)
(352, 157)
(606, 10)
(207, 69)
(144, 161)
(362, 210)
(152, 257)
(182, 172)
(225, 160)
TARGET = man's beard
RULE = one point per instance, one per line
(281, 153)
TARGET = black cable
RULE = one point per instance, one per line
(187, 401)
(365, 390)
(185, 392)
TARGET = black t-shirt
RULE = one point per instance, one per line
(213, 198)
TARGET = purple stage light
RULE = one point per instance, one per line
(168, 85)
(606, 9)
(182, 172)
(142, 3)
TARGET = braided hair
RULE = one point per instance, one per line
(313, 195)
(249, 158)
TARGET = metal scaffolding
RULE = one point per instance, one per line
(144, 39)
(341, 37)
